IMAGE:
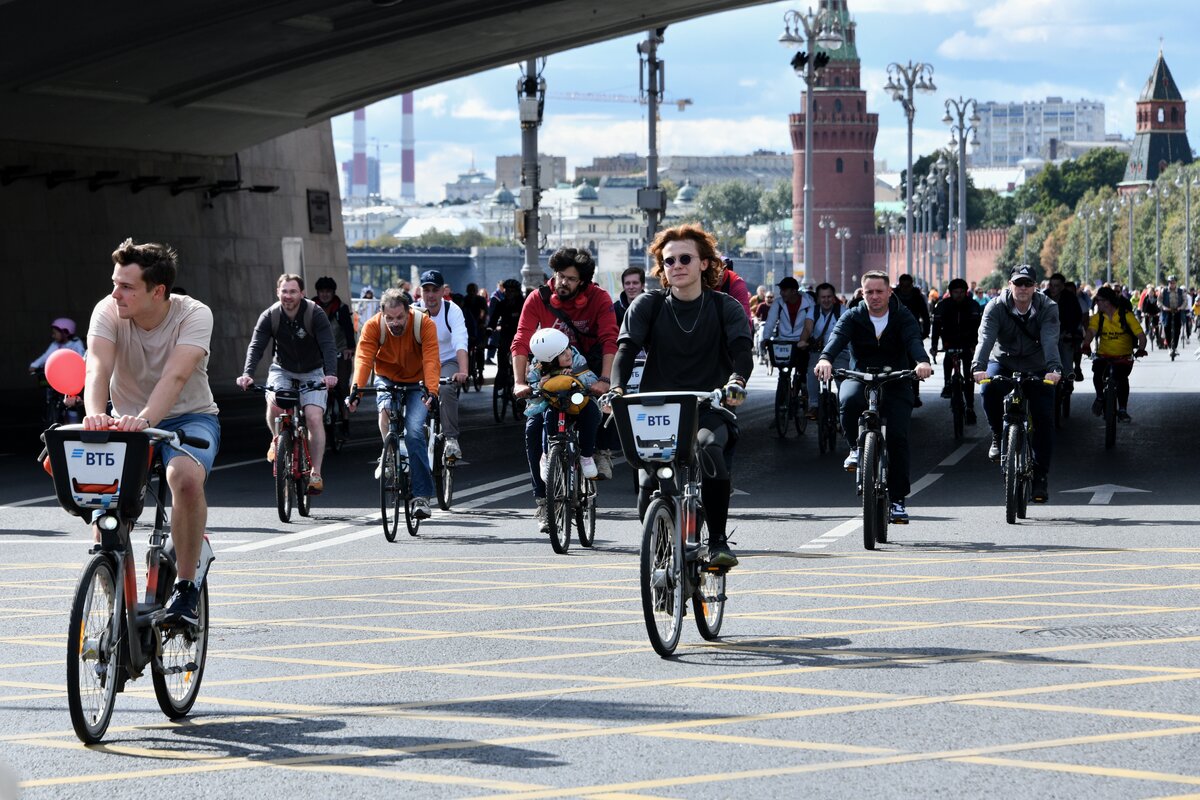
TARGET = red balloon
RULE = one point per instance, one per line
(65, 371)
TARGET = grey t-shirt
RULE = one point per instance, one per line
(684, 352)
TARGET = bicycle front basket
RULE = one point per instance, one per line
(781, 354)
(287, 399)
(99, 469)
(656, 427)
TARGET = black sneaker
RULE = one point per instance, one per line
(719, 554)
(946, 392)
(184, 604)
(971, 419)
(1041, 490)
(1123, 415)
(898, 513)
(994, 450)
(1098, 407)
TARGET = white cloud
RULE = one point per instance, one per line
(475, 108)
(438, 166)
(432, 104)
(910, 7)
(748, 83)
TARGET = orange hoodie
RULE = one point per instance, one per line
(400, 358)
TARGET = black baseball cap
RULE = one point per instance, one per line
(789, 283)
(431, 277)
(1024, 271)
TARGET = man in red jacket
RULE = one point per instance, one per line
(584, 312)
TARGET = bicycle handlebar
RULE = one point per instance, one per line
(1017, 377)
(310, 386)
(876, 377)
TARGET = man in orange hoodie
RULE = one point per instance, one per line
(390, 346)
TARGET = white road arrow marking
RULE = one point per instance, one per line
(1102, 495)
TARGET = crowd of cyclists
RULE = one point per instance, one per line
(700, 330)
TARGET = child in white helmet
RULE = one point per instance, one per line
(553, 356)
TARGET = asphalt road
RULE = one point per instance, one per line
(1054, 658)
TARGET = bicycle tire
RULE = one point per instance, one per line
(585, 515)
(1068, 390)
(1110, 415)
(175, 694)
(1013, 483)
(827, 411)
(92, 682)
(708, 598)
(389, 488)
(412, 523)
(661, 578)
(439, 477)
(499, 404)
(300, 480)
(558, 501)
(958, 407)
(868, 465)
(781, 407)
(801, 415)
(283, 475)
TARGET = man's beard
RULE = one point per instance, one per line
(565, 294)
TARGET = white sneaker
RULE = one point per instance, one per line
(589, 468)
(544, 469)
(378, 467)
(851, 462)
(452, 449)
(421, 508)
(604, 464)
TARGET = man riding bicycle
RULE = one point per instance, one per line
(956, 321)
(584, 312)
(880, 332)
(1022, 326)
(398, 353)
(341, 323)
(696, 339)
(827, 313)
(304, 354)
(1174, 303)
(791, 319)
(148, 352)
(1118, 333)
(452, 349)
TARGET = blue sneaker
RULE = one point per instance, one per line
(184, 604)
(899, 514)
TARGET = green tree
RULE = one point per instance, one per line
(670, 187)
(385, 241)
(776, 202)
(729, 208)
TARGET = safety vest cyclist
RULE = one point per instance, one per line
(389, 346)
(696, 339)
(1118, 332)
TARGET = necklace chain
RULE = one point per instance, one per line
(699, 315)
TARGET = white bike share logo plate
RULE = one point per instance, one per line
(783, 352)
(655, 431)
(635, 378)
(95, 471)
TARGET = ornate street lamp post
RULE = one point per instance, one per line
(1186, 180)
(959, 129)
(827, 224)
(1130, 200)
(814, 29)
(1085, 214)
(1109, 206)
(1157, 191)
(918, 199)
(843, 234)
(902, 80)
(1025, 219)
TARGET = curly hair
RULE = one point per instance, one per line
(579, 259)
(159, 262)
(706, 246)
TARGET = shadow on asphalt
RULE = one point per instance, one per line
(992, 547)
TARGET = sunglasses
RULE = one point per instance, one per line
(1023, 284)
(684, 259)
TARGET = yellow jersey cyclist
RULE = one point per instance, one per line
(1117, 332)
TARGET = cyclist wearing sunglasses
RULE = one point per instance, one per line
(1020, 333)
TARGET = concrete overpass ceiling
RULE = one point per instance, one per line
(217, 76)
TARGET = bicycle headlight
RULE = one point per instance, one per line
(665, 473)
(576, 398)
(107, 522)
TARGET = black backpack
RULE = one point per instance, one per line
(306, 320)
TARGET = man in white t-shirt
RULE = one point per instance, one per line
(148, 351)
(452, 350)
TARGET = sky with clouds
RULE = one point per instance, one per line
(742, 88)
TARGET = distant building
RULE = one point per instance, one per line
(471, 185)
(623, 165)
(1012, 132)
(368, 223)
(553, 170)
(761, 168)
(373, 184)
(1161, 137)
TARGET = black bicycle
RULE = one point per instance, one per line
(960, 393)
(1016, 444)
(827, 417)
(871, 477)
(337, 421)
(442, 466)
(1109, 395)
(658, 434)
(503, 398)
(570, 497)
(112, 636)
(791, 390)
(395, 480)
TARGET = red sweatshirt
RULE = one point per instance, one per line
(591, 311)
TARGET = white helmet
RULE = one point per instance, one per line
(547, 344)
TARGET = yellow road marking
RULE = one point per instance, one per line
(1080, 769)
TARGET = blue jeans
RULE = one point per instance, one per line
(202, 426)
(1041, 407)
(587, 424)
(415, 414)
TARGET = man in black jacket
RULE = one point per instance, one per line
(956, 322)
(880, 333)
(914, 301)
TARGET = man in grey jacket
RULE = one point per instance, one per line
(1020, 334)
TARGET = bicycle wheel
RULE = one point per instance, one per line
(1068, 390)
(411, 522)
(499, 404)
(1110, 415)
(1026, 488)
(390, 495)
(661, 578)
(781, 407)
(708, 598)
(443, 479)
(827, 412)
(585, 514)
(1014, 456)
(800, 407)
(183, 656)
(868, 465)
(93, 650)
(558, 499)
(958, 407)
(283, 475)
(300, 478)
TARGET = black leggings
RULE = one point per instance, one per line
(715, 443)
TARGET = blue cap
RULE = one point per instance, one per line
(431, 277)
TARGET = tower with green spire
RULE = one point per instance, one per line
(1161, 137)
(843, 159)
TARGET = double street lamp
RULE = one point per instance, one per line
(1158, 191)
(1085, 215)
(902, 80)
(1130, 201)
(842, 235)
(813, 30)
(888, 219)
(827, 224)
(1025, 219)
(960, 127)
(1109, 206)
